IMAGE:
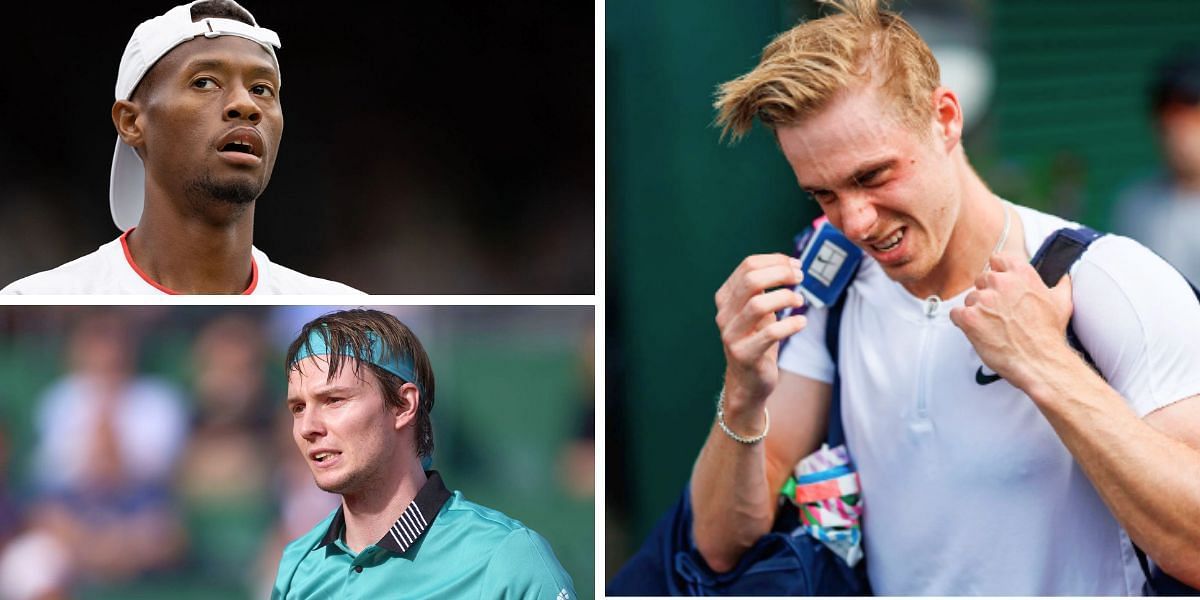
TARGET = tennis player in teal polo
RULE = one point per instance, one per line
(360, 390)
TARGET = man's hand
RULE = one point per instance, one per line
(735, 486)
(750, 332)
(1014, 321)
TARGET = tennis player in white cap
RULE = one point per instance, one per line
(198, 122)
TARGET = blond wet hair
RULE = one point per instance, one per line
(800, 72)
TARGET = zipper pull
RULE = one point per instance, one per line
(932, 304)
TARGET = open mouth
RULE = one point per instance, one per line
(891, 242)
(242, 147)
(322, 457)
(243, 142)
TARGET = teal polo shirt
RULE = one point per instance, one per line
(441, 546)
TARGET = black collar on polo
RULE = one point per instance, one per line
(412, 522)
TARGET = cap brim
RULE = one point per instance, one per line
(126, 187)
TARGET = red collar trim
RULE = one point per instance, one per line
(166, 290)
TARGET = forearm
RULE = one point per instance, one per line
(1149, 480)
(732, 493)
(731, 498)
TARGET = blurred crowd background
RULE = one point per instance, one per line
(429, 148)
(145, 452)
(1089, 110)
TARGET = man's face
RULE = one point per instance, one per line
(888, 188)
(1179, 128)
(343, 427)
(211, 119)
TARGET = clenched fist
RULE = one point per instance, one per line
(750, 331)
(1013, 320)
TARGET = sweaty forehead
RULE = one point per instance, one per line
(852, 131)
(230, 50)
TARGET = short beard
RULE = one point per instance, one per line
(232, 197)
(355, 483)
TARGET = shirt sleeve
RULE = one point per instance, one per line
(805, 353)
(524, 567)
(288, 562)
(280, 590)
(1140, 322)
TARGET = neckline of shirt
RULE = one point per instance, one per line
(913, 308)
(410, 526)
(166, 290)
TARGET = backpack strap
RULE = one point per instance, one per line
(1055, 257)
(1061, 250)
(835, 435)
(1144, 562)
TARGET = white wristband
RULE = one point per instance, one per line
(729, 432)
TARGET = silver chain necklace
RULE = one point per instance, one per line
(987, 265)
(933, 302)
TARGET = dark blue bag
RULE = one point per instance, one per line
(779, 564)
(784, 562)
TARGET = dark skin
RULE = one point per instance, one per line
(197, 226)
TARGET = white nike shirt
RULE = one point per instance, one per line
(967, 488)
(111, 270)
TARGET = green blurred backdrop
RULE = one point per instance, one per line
(1065, 127)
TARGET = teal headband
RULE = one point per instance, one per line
(400, 366)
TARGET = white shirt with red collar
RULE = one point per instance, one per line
(111, 270)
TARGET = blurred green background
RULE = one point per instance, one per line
(513, 424)
(1060, 122)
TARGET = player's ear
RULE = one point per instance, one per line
(410, 398)
(125, 118)
(947, 117)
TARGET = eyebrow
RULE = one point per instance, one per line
(860, 173)
(325, 392)
(204, 64)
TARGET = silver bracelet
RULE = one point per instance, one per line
(729, 432)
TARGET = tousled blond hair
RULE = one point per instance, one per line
(802, 69)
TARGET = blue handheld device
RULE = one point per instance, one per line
(828, 260)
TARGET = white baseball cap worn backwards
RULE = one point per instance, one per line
(150, 42)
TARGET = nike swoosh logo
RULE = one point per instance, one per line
(983, 378)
